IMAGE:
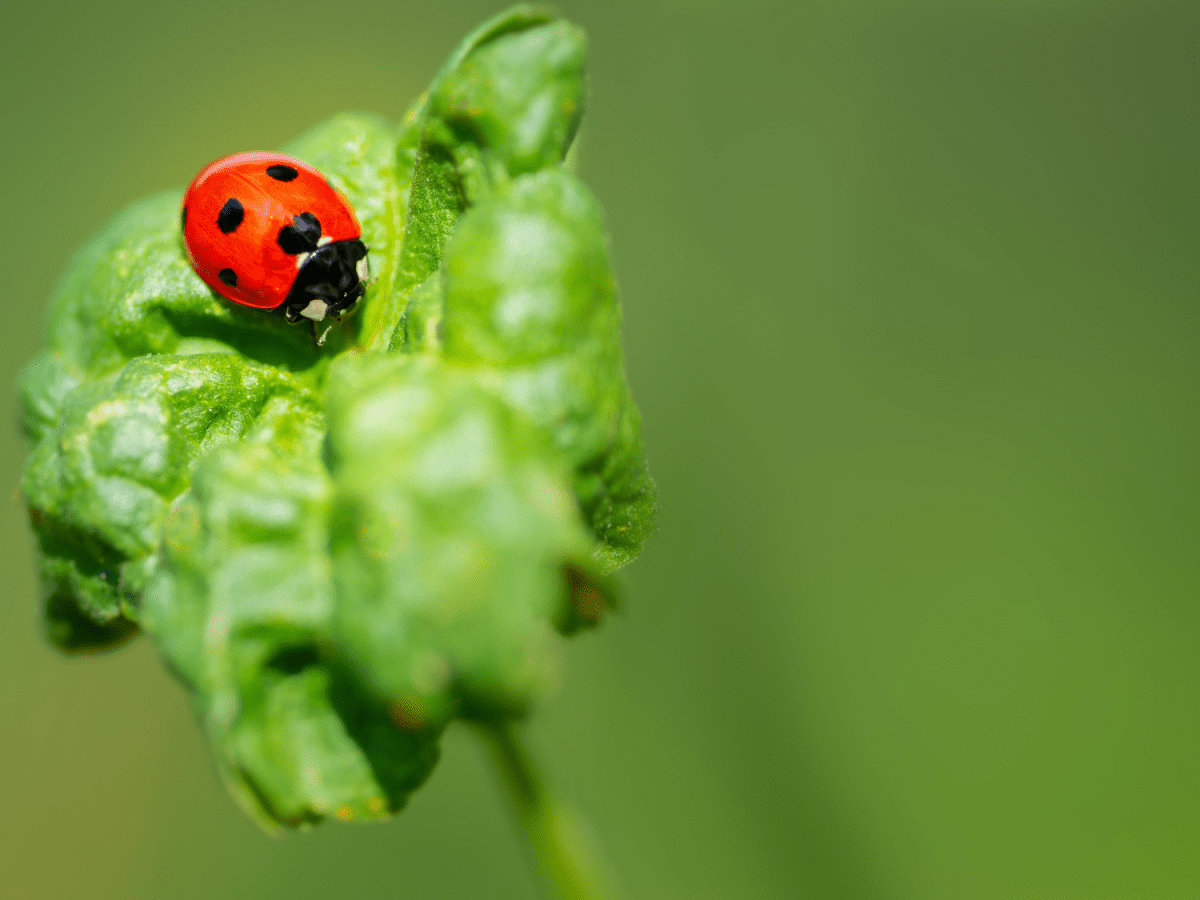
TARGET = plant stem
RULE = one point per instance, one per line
(552, 832)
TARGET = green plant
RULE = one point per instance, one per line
(341, 548)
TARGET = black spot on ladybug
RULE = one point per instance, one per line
(309, 226)
(231, 216)
(228, 276)
(282, 173)
(183, 218)
(301, 236)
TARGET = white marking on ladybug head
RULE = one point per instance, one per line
(301, 259)
(321, 242)
(315, 310)
(364, 270)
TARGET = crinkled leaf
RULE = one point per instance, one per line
(240, 608)
(340, 546)
(530, 307)
(508, 100)
(100, 480)
(453, 533)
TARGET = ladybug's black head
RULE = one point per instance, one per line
(329, 282)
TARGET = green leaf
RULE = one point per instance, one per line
(240, 607)
(100, 479)
(453, 532)
(508, 100)
(339, 546)
(530, 306)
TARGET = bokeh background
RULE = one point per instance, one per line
(912, 303)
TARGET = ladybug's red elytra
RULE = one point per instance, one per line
(267, 230)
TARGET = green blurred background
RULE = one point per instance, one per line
(912, 312)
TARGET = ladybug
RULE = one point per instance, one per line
(266, 230)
